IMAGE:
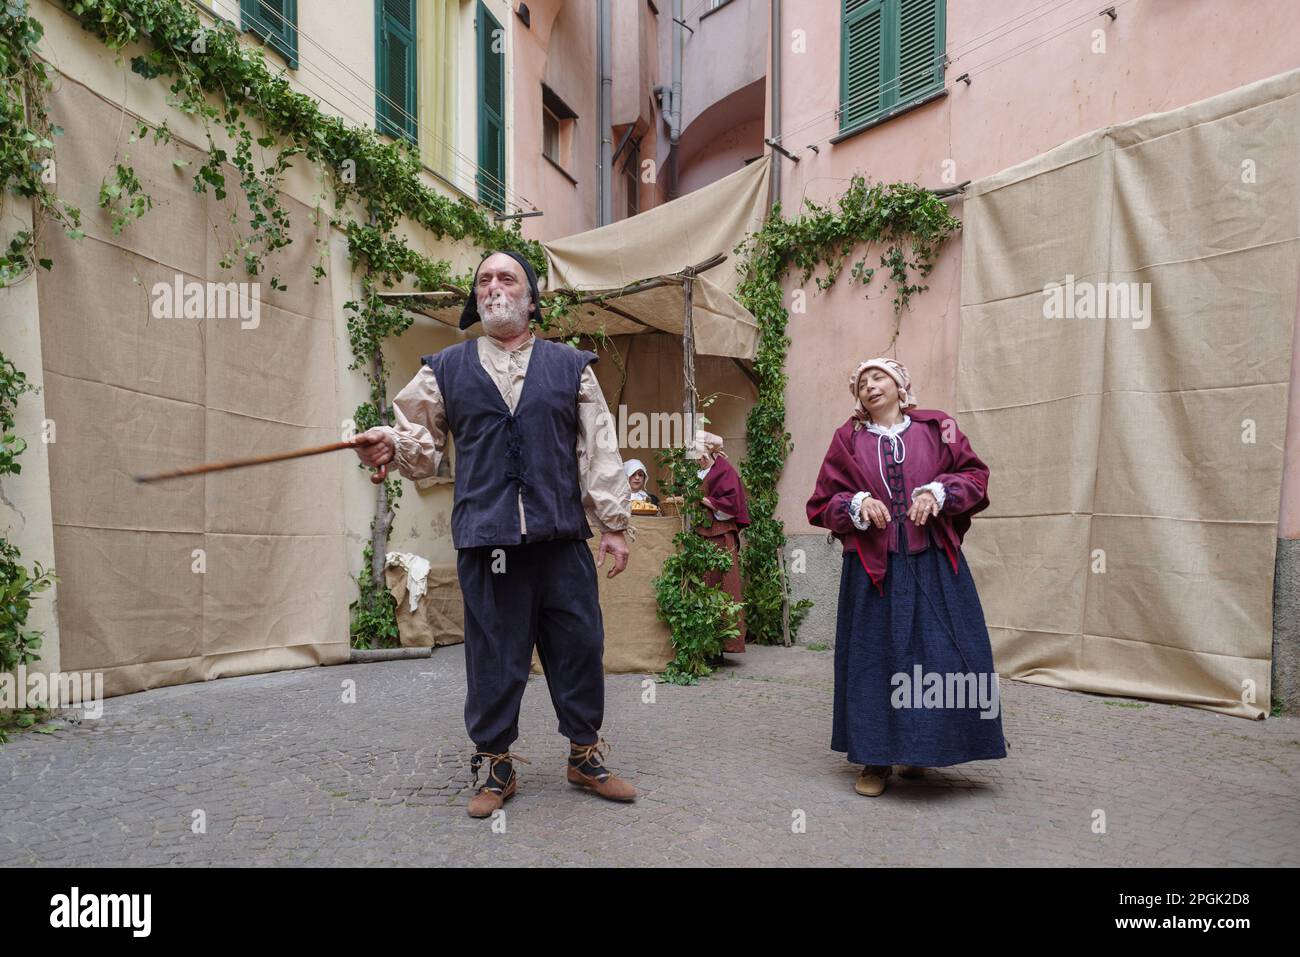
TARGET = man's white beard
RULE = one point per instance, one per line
(503, 317)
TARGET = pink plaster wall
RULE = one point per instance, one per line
(559, 49)
(635, 53)
(722, 155)
(726, 53)
(1160, 55)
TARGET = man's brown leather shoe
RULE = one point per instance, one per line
(586, 770)
(488, 801)
(496, 791)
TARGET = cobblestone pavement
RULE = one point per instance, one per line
(288, 774)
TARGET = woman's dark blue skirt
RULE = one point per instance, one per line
(914, 670)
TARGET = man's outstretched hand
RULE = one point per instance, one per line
(376, 449)
(615, 544)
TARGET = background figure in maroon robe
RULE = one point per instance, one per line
(724, 496)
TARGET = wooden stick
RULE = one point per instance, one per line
(242, 463)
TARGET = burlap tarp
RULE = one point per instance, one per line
(1136, 472)
(439, 618)
(644, 383)
(636, 641)
(232, 573)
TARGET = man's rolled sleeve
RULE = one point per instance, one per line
(606, 496)
(419, 427)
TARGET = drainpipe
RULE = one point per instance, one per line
(606, 188)
(774, 182)
(675, 117)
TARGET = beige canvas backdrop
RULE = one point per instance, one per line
(636, 641)
(1105, 439)
(129, 393)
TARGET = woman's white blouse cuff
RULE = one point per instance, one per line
(855, 511)
(934, 488)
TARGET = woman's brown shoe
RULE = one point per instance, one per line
(910, 771)
(586, 769)
(871, 782)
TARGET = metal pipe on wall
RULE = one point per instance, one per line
(605, 98)
(774, 183)
(675, 117)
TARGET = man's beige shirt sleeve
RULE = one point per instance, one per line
(419, 426)
(606, 496)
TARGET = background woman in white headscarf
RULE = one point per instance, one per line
(639, 481)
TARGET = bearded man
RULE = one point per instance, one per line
(534, 463)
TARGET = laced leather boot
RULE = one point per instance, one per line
(586, 769)
(502, 782)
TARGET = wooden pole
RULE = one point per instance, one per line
(384, 516)
(688, 359)
(244, 463)
(785, 601)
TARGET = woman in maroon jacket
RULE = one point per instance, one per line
(914, 679)
(724, 497)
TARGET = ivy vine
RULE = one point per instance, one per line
(26, 145)
(701, 617)
(909, 225)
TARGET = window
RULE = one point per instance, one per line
(491, 110)
(275, 22)
(558, 121)
(395, 68)
(438, 76)
(551, 136)
(891, 55)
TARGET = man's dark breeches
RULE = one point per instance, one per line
(542, 593)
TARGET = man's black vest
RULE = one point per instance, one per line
(501, 455)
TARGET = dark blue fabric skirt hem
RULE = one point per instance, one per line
(922, 761)
(928, 619)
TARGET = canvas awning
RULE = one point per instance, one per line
(629, 277)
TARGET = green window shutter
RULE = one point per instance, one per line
(891, 55)
(920, 48)
(862, 61)
(491, 113)
(395, 69)
(276, 22)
